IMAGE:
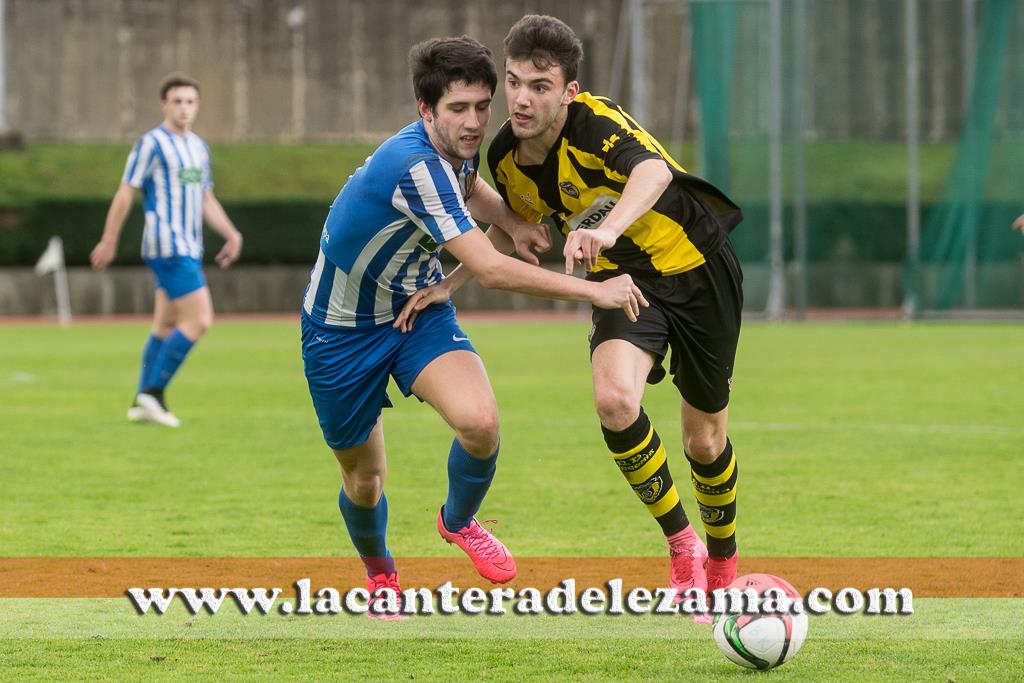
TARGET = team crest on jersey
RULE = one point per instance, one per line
(190, 175)
(649, 491)
(710, 515)
(569, 189)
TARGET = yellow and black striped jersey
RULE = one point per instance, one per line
(583, 176)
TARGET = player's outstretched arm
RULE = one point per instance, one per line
(497, 271)
(217, 218)
(103, 253)
(1019, 223)
(647, 181)
(443, 290)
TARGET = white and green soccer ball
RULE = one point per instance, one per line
(766, 639)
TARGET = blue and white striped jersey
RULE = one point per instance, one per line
(173, 172)
(380, 242)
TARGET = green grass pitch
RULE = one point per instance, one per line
(853, 440)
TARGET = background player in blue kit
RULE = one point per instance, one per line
(378, 251)
(171, 166)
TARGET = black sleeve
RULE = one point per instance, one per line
(611, 135)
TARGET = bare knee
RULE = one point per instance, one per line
(205, 322)
(616, 408)
(705, 445)
(478, 432)
(363, 486)
(197, 327)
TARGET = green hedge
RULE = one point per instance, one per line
(854, 231)
(275, 232)
(282, 232)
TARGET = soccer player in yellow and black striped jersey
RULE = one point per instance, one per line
(626, 206)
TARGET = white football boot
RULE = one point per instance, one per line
(156, 412)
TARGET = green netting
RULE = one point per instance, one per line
(731, 79)
(845, 117)
(967, 249)
(714, 41)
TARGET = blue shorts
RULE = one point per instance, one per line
(177, 276)
(348, 370)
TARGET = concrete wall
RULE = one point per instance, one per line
(270, 70)
(336, 69)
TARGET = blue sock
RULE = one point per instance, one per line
(149, 354)
(468, 481)
(367, 527)
(172, 354)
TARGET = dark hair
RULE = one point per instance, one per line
(547, 41)
(176, 81)
(439, 62)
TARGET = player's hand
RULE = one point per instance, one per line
(435, 294)
(585, 245)
(621, 292)
(531, 239)
(230, 252)
(1019, 224)
(102, 255)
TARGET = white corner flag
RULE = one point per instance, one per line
(52, 258)
(52, 261)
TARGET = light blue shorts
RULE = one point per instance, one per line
(348, 370)
(177, 276)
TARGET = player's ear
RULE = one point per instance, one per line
(571, 91)
(426, 113)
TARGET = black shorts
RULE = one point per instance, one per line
(697, 315)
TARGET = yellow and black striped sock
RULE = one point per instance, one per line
(640, 455)
(714, 486)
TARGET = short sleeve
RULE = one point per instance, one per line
(429, 194)
(140, 161)
(207, 169)
(608, 133)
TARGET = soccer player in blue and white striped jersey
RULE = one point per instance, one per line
(378, 253)
(170, 165)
